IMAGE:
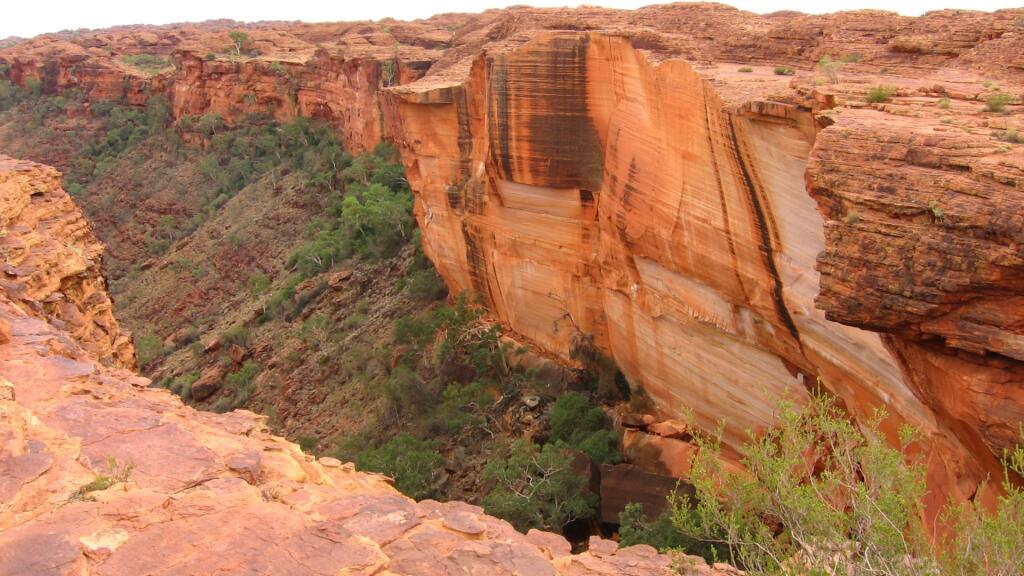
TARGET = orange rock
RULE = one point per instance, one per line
(52, 261)
(657, 454)
(237, 353)
(670, 429)
(631, 185)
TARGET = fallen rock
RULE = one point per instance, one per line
(209, 382)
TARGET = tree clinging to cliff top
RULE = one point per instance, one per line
(239, 39)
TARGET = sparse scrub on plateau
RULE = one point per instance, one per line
(997, 102)
(880, 93)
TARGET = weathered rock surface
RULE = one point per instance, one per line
(622, 178)
(102, 475)
(51, 261)
(729, 238)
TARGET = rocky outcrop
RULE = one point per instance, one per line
(329, 71)
(102, 475)
(51, 262)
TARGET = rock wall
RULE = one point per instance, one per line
(102, 475)
(51, 262)
(685, 215)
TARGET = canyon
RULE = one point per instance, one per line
(102, 474)
(734, 208)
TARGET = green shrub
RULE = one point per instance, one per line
(426, 285)
(182, 385)
(880, 93)
(580, 425)
(406, 392)
(1011, 135)
(823, 495)
(535, 488)
(830, 68)
(636, 528)
(239, 40)
(115, 475)
(236, 335)
(239, 387)
(745, 69)
(413, 463)
(462, 405)
(308, 443)
(997, 102)
(943, 103)
(148, 63)
(377, 219)
(148, 349)
(259, 283)
(784, 71)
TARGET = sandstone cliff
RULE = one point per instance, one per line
(728, 236)
(51, 263)
(732, 235)
(102, 475)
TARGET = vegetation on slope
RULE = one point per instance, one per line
(267, 268)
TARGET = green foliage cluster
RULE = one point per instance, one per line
(238, 155)
(148, 349)
(425, 285)
(635, 527)
(372, 220)
(534, 487)
(997, 102)
(239, 386)
(880, 93)
(577, 424)
(784, 71)
(411, 461)
(823, 497)
(831, 68)
(236, 335)
(122, 128)
(115, 475)
(148, 63)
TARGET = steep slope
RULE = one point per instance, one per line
(100, 474)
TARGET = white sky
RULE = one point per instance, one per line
(29, 18)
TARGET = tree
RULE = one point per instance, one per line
(239, 39)
(580, 425)
(535, 488)
(830, 68)
(413, 463)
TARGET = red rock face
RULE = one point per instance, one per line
(681, 212)
(729, 238)
(52, 261)
(102, 475)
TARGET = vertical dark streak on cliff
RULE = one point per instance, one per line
(465, 135)
(766, 238)
(721, 199)
(498, 73)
